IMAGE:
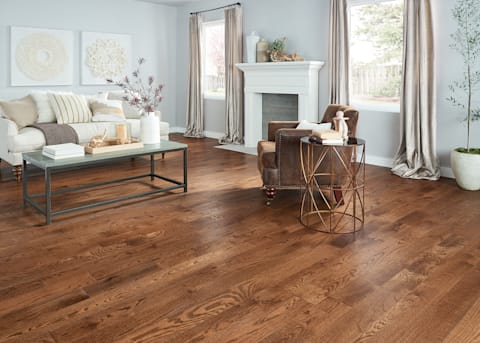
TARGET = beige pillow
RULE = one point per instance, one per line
(70, 108)
(107, 110)
(129, 110)
(21, 111)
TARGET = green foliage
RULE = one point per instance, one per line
(383, 26)
(474, 151)
(278, 44)
(466, 41)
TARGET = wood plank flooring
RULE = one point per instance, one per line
(217, 265)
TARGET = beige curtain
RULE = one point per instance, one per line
(338, 53)
(233, 77)
(416, 157)
(195, 116)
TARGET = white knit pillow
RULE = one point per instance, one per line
(70, 108)
(44, 109)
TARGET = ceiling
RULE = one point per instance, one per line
(170, 2)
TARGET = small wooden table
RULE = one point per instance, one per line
(334, 195)
(49, 165)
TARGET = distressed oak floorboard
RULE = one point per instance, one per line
(217, 265)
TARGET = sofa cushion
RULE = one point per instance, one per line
(129, 110)
(21, 111)
(44, 109)
(70, 108)
(30, 139)
(107, 110)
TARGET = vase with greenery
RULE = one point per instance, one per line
(465, 161)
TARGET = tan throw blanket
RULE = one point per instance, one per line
(57, 133)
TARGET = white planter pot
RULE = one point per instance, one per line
(150, 128)
(466, 168)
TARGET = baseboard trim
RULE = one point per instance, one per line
(370, 159)
(208, 134)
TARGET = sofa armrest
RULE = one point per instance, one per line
(8, 129)
(274, 126)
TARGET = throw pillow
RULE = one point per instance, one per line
(70, 108)
(306, 125)
(44, 109)
(21, 111)
(107, 110)
(129, 110)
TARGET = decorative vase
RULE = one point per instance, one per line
(466, 169)
(150, 128)
(252, 40)
(262, 50)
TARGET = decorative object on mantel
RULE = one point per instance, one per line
(277, 53)
(262, 51)
(465, 161)
(252, 40)
(340, 123)
(146, 98)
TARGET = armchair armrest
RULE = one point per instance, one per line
(274, 126)
(287, 148)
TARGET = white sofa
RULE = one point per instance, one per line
(15, 141)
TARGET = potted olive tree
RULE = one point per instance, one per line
(465, 161)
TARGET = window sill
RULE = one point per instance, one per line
(377, 108)
(214, 97)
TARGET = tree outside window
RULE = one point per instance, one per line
(214, 58)
(376, 42)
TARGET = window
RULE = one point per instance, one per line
(213, 58)
(376, 42)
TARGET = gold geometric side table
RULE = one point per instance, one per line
(333, 199)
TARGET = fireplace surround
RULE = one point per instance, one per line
(299, 78)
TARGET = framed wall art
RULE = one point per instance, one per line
(40, 57)
(104, 56)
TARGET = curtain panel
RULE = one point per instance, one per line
(233, 77)
(416, 156)
(338, 53)
(195, 115)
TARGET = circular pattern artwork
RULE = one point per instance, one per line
(41, 56)
(106, 59)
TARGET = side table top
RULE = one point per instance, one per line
(352, 141)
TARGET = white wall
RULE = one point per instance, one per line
(153, 30)
(451, 129)
(305, 23)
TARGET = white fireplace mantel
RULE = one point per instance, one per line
(299, 78)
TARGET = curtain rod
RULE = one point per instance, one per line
(217, 8)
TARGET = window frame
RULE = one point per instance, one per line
(387, 107)
(205, 24)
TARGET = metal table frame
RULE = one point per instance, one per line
(47, 210)
(316, 196)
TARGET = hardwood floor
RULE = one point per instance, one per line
(217, 265)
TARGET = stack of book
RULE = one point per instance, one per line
(329, 137)
(67, 150)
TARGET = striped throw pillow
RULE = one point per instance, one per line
(70, 108)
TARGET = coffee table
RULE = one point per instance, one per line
(49, 166)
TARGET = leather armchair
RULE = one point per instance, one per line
(279, 156)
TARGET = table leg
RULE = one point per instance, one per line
(24, 183)
(48, 197)
(185, 170)
(152, 167)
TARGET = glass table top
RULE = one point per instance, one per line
(38, 159)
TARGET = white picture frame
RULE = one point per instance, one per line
(105, 56)
(40, 57)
